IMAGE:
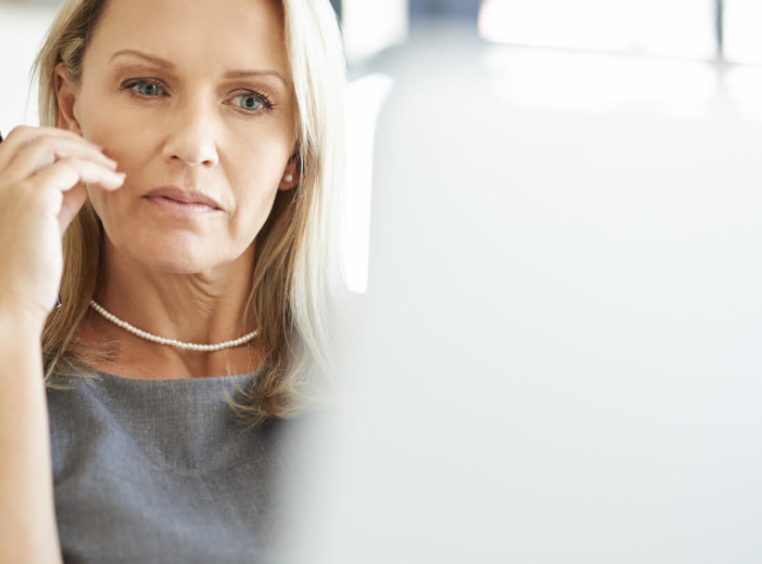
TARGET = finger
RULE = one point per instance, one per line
(22, 135)
(68, 172)
(44, 151)
(73, 200)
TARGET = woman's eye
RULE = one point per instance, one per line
(144, 87)
(253, 102)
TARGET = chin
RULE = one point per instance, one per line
(179, 267)
(176, 260)
(180, 262)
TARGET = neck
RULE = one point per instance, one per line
(202, 307)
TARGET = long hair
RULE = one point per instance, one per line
(297, 278)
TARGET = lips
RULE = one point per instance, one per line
(182, 196)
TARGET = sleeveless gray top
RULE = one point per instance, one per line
(162, 471)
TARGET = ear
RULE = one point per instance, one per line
(66, 95)
(291, 175)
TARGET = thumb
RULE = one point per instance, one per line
(73, 200)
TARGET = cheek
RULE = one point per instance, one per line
(256, 187)
(254, 200)
(117, 144)
(257, 171)
(120, 131)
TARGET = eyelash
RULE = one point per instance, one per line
(263, 99)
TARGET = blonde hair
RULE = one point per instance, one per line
(297, 278)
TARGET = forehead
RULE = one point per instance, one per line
(196, 35)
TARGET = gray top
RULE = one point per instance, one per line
(162, 471)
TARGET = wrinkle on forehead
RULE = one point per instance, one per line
(198, 35)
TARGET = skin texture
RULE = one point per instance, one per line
(183, 277)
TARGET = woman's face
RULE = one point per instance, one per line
(195, 95)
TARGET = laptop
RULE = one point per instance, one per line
(557, 358)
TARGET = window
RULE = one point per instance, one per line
(372, 25)
(741, 36)
(672, 28)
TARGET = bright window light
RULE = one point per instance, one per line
(365, 99)
(372, 25)
(595, 83)
(21, 31)
(672, 28)
(742, 39)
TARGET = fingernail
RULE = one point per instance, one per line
(115, 182)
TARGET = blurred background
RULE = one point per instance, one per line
(553, 232)
(580, 55)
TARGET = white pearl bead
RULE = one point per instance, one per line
(172, 342)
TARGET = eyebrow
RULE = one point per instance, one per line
(170, 65)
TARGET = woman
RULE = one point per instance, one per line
(181, 197)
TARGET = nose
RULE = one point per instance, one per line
(191, 137)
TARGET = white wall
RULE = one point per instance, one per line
(21, 32)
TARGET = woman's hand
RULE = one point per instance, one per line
(42, 176)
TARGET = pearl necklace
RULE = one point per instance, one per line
(171, 342)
